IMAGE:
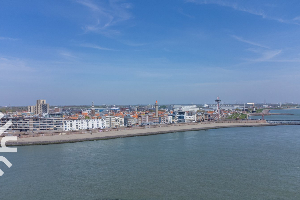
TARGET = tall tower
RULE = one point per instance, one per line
(156, 109)
(218, 108)
(93, 109)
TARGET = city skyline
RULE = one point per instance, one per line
(212, 102)
(134, 52)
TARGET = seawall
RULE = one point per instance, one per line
(64, 138)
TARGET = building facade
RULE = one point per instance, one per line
(83, 124)
(114, 122)
(40, 108)
(31, 109)
(33, 124)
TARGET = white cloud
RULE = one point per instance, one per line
(185, 14)
(133, 44)
(13, 65)
(106, 16)
(265, 55)
(96, 47)
(66, 54)
(238, 7)
(8, 38)
(89, 5)
(268, 55)
(249, 42)
(297, 18)
(234, 6)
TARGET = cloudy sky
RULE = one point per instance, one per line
(139, 51)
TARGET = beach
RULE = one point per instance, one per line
(85, 135)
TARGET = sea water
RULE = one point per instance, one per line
(229, 163)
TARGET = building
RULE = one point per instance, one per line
(143, 119)
(190, 108)
(200, 117)
(129, 121)
(46, 124)
(40, 108)
(83, 124)
(163, 120)
(181, 115)
(114, 122)
(33, 124)
(191, 118)
(57, 109)
(169, 119)
(31, 109)
(110, 121)
(119, 122)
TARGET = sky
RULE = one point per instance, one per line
(73, 52)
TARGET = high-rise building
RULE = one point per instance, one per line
(40, 101)
(40, 107)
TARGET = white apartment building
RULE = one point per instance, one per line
(84, 124)
(114, 122)
(190, 118)
(119, 121)
(169, 119)
(183, 116)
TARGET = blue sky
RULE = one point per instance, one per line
(136, 52)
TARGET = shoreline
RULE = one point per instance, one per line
(63, 138)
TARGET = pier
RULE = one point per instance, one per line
(284, 122)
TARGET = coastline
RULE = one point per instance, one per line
(91, 136)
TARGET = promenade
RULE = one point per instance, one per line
(84, 135)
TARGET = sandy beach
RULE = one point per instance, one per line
(89, 136)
